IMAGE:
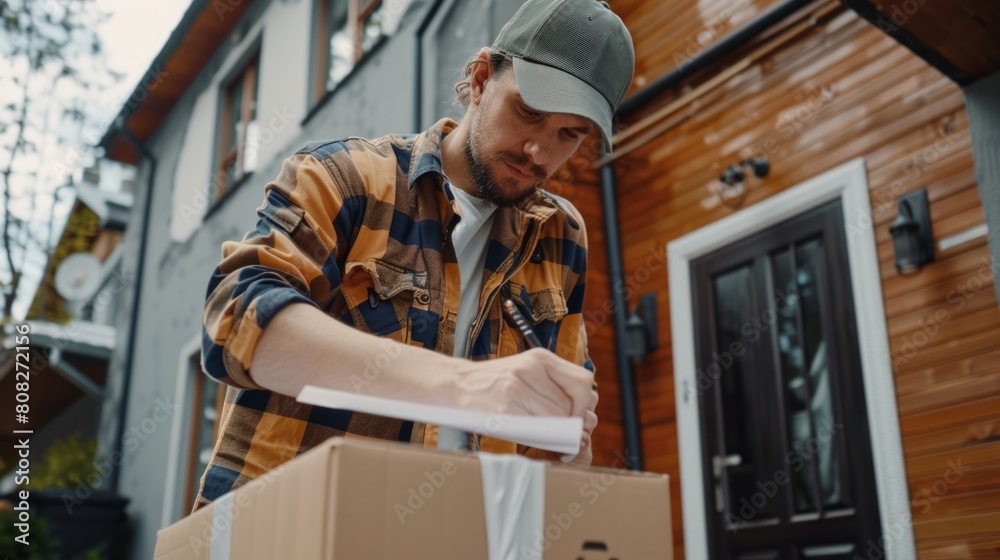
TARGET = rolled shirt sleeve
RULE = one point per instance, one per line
(290, 256)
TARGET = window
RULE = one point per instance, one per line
(346, 31)
(206, 410)
(237, 131)
(92, 175)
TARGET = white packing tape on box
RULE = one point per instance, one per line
(222, 527)
(514, 503)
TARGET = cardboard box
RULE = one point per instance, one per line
(359, 499)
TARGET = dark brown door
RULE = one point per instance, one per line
(786, 455)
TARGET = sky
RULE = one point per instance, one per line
(136, 32)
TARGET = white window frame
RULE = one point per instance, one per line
(849, 183)
(177, 448)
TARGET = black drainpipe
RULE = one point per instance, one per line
(616, 272)
(616, 267)
(134, 318)
(418, 66)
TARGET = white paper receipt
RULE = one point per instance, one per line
(552, 433)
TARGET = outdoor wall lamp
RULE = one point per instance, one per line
(735, 176)
(640, 329)
(912, 241)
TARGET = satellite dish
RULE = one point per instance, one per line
(78, 277)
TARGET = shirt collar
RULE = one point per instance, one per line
(426, 151)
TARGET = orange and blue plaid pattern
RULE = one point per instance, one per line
(359, 229)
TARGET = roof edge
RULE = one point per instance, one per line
(175, 39)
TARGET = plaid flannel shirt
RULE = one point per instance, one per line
(359, 229)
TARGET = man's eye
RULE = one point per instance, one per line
(529, 113)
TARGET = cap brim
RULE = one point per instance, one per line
(551, 90)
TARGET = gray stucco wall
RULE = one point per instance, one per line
(982, 100)
(461, 28)
(376, 99)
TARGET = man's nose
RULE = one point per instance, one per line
(540, 150)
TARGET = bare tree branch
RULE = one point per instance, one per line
(54, 59)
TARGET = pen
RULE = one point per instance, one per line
(522, 324)
(530, 338)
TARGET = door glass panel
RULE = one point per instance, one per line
(791, 359)
(809, 278)
(743, 425)
(805, 372)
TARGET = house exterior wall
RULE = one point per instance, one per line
(185, 237)
(837, 91)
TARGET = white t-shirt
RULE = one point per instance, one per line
(469, 238)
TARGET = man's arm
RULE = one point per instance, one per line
(304, 346)
(265, 328)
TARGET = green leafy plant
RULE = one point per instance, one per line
(66, 464)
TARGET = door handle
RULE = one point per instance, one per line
(720, 462)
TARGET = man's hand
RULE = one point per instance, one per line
(586, 455)
(584, 458)
(532, 383)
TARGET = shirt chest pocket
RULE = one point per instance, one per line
(380, 296)
(544, 308)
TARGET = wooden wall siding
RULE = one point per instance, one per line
(843, 90)
(579, 182)
(666, 34)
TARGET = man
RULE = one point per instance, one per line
(417, 240)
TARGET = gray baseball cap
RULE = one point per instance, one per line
(570, 56)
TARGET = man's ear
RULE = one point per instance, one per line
(482, 71)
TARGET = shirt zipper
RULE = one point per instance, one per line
(519, 256)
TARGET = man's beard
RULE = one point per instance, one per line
(487, 186)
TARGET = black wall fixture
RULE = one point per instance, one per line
(640, 328)
(912, 241)
(735, 179)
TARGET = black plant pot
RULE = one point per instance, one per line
(81, 524)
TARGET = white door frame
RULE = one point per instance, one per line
(849, 183)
